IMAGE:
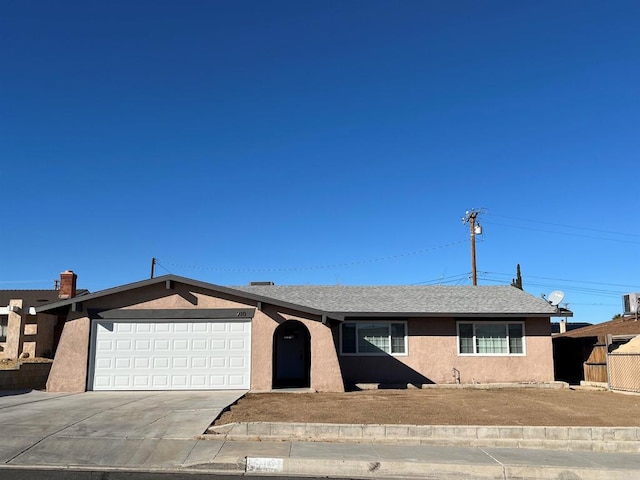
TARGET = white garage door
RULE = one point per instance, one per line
(170, 355)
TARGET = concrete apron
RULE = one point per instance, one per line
(597, 439)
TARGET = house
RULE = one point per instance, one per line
(581, 354)
(563, 326)
(172, 332)
(23, 331)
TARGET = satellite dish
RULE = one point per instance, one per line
(556, 297)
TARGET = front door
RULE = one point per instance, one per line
(291, 355)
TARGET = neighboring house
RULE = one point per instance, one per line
(581, 354)
(22, 330)
(172, 332)
(563, 326)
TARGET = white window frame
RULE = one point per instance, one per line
(376, 354)
(506, 324)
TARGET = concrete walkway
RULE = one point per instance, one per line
(383, 461)
(325, 459)
(162, 432)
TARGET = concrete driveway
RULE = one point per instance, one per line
(106, 428)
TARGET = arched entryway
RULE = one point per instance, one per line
(291, 355)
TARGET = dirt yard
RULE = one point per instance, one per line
(528, 407)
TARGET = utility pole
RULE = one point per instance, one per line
(153, 267)
(475, 228)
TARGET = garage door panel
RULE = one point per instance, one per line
(141, 381)
(180, 362)
(143, 345)
(104, 346)
(181, 344)
(142, 327)
(124, 327)
(199, 344)
(101, 381)
(181, 328)
(123, 363)
(199, 362)
(164, 355)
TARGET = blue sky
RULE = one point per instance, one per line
(322, 142)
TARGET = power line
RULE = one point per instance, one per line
(564, 233)
(570, 288)
(568, 226)
(600, 292)
(314, 267)
(162, 266)
(24, 281)
(566, 280)
(449, 279)
(596, 304)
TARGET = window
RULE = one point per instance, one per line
(490, 338)
(4, 319)
(373, 338)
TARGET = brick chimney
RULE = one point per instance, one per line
(67, 284)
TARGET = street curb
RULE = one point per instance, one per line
(334, 469)
(444, 471)
(598, 439)
(386, 469)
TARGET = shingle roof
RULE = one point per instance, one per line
(375, 300)
(619, 326)
(408, 299)
(31, 298)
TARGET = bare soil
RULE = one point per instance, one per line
(526, 407)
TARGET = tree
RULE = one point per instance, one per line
(517, 282)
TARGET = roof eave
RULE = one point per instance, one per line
(441, 314)
(65, 304)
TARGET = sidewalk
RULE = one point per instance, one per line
(424, 461)
(350, 460)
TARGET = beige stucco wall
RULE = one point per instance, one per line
(14, 330)
(433, 353)
(432, 347)
(31, 334)
(325, 368)
(69, 371)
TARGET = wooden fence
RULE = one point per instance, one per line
(595, 368)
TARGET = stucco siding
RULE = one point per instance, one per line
(433, 353)
(325, 368)
(69, 371)
(432, 345)
(70, 367)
